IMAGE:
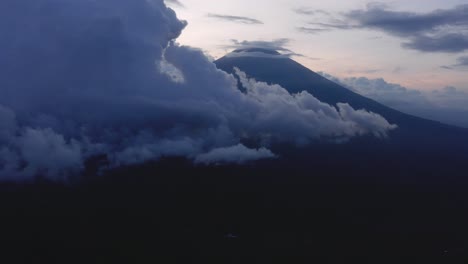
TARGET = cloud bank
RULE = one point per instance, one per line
(447, 105)
(86, 78)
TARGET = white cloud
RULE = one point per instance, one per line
(301, 117)
(235, 154)
(48, 153)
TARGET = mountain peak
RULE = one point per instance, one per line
(257, 52)
(260, 50)
(295, 78)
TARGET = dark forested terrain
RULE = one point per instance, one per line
(331, 206)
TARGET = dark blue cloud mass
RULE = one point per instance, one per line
(85, 78)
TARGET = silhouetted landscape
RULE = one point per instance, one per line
(252, 158)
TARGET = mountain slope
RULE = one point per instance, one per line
(275, 69)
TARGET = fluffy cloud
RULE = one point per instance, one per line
(48, 153)
(302, 117)
(448, 105)
(85, 78)
(235, 154)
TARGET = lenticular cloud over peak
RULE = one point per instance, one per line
(84, 78)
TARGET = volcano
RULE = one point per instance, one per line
(272, 67)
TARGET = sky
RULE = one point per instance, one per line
(419, 44)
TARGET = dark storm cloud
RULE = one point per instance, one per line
(442, 30)
(85, 78)
(451, 43)
(236, 19)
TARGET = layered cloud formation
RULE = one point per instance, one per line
(85, 78)
(462, 64)
(236, 19)
(275, 49)
(447, 105)
(442, 30)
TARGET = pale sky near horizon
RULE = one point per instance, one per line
(365, 51)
